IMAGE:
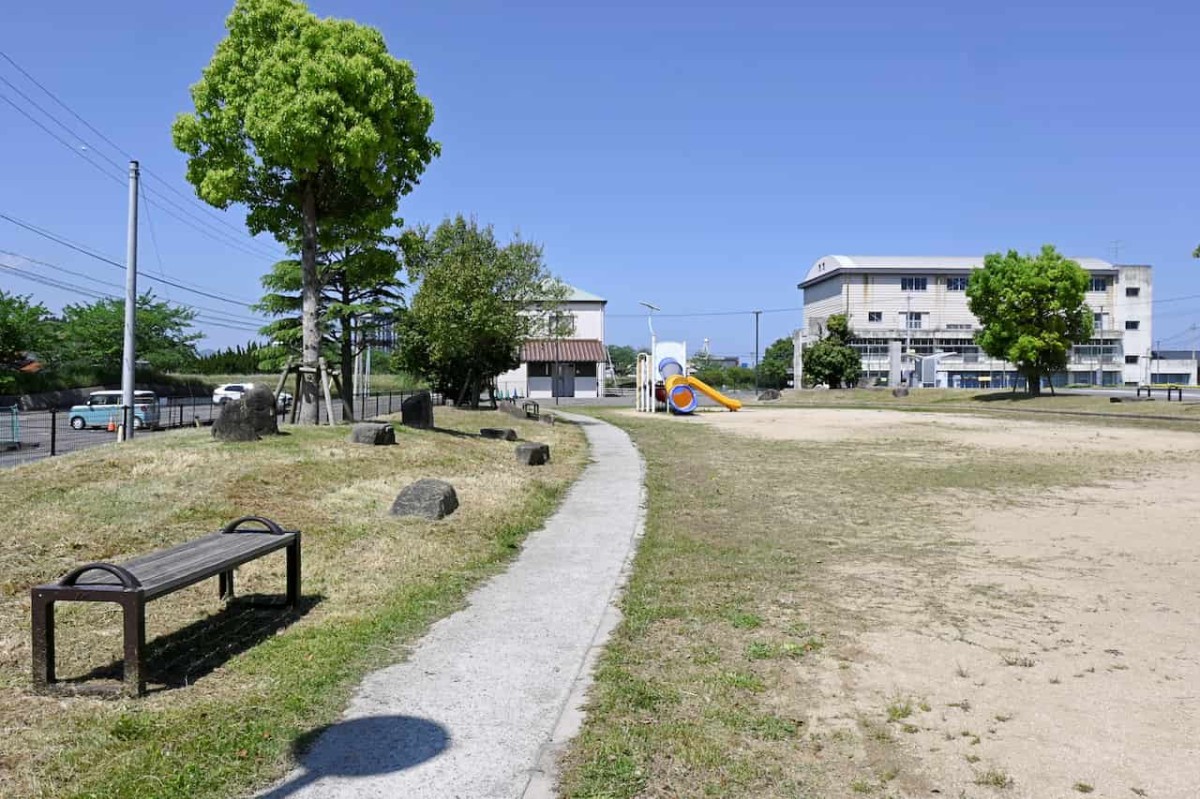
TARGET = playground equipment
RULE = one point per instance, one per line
(677, 389)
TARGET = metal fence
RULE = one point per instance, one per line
(31, 435)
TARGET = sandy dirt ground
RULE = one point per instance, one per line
(1058, 649)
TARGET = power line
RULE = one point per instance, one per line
(61, 140)
(62, 104)
(91, 253)
(208, 313)
(693, 314)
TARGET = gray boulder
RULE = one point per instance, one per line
(768, 395)
(532, 453)
(428, 499)
(248, 418)
(417, 411)
(500, 433)
(900, 392)
(374, 433)
(234, 424)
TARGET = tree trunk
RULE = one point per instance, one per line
(347, 342)
(466, 389)
(1033, 383)
(310, 292)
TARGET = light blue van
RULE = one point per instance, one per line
(103, 407)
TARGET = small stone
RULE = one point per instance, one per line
(768, 395)
(532, 453)
(500, 433)
(427, 498)
(900, 392)
(417, 411)
(373, 433)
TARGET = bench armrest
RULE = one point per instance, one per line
(235, 526)
(127, 579)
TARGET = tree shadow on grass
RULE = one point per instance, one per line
(178, 659)
(1009, 396)
(361, 748)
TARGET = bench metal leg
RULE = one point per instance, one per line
(134, 607)
(225, 584)
(43, 641)
(293, 573)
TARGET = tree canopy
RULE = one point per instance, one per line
(776, 363)
(476, 303)
(25, 327)
(360, 289)
(94, 333)
(623, 358)
(831, 360)
(307, 122)
(1031, 310)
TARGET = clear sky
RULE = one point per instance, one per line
(698, 156)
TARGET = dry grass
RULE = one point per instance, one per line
(236, 686)
(766, 568)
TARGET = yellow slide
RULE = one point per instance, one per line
(682, 398)
(714, 395)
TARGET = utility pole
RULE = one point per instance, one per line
(128, 355)
(757, 314)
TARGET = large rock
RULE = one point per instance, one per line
(428, 499)
(768, 395)
(902, 391)
(374, 433)
(417, 411)
(532, 453)
(501, 433)
(248, 418)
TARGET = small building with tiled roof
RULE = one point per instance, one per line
(570, 361)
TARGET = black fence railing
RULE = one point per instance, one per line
(31, 435)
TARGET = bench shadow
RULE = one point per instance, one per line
(179, 658)
(362, 747)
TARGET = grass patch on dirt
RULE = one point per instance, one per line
(234, 688)
(951, 400)
(750, 590)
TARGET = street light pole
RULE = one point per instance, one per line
(129, 355)
(757, 314)
(650, 378)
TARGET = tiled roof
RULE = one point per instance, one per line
(587, 350)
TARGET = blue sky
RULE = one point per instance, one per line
(697, 156)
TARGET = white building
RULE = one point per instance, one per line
(569, 364)
(922, 303)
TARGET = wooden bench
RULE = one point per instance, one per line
(135, 582)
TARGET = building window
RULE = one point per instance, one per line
(958, 326)
(1131, 324)
(874, 316)
(1098, 284)
(956, 284)
(1132, 291)
(912, 320)
(914, 283)
(1131, 359)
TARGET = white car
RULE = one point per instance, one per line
(230, 391)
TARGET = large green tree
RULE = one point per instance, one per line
(305, 121)
(831, 360)
(360, 289)
(623, 358)
(93, 334)
(1031, 309)
(25, 327)
(477, 301)
(776, 363)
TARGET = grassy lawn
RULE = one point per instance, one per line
(750, 594)
(233, 687)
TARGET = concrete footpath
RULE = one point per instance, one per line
(491, 693)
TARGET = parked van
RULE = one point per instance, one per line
(105, 406)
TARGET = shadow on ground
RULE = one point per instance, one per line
(178, 659)
(364, 747)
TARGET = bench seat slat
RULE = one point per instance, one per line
(174, 567)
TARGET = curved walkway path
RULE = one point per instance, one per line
(490, 693)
